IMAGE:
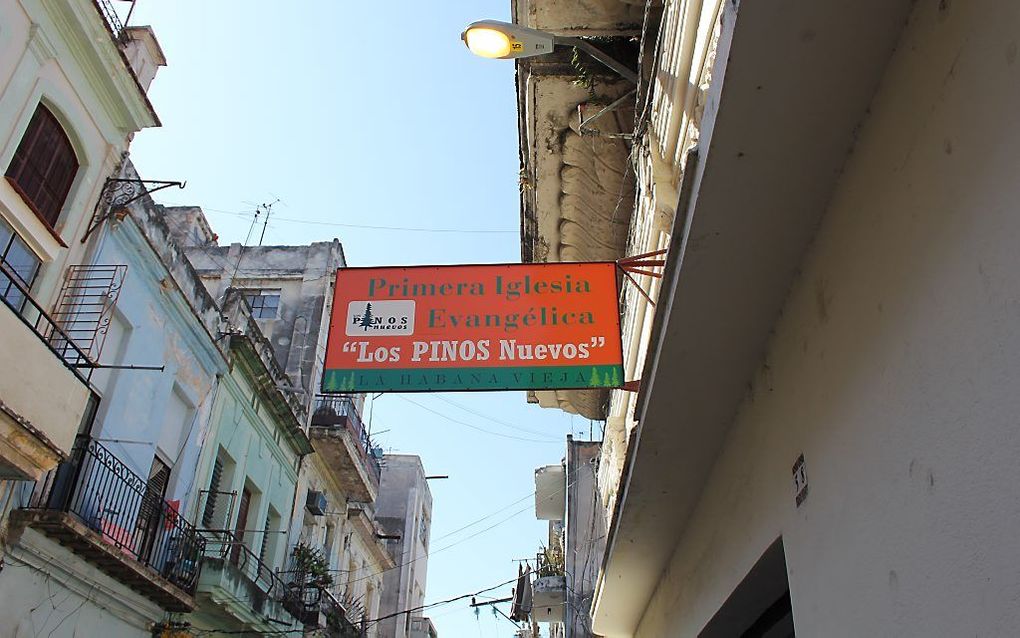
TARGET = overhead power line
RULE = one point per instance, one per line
(441, 602)
(489, 418)
(475, 427)
(312, 222)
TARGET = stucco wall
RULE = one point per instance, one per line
(48, 591)
(403, 496)
(892, 369)
(248, 435)
(153, 325)
(304, 275)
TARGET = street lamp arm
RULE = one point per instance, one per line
(506, 40)
(599, 55)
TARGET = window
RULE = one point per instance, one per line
(270, 534)
(178, 417)
(44, 166)
(263, 303)
(423, 530)
(20, 266)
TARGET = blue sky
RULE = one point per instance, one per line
(371, 114)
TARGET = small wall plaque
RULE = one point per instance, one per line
(800, 484)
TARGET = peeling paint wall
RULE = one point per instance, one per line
(163, 317)
(304, 277)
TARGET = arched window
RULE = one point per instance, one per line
(44, 166)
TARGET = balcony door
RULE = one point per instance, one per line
(241, 525)
(150, 512)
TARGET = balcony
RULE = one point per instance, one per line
(338, 435)
(240, 584)
(320, 611)
(96, 506)
(550, 493)
(549, 595)
(422, 627)
(36, 434)
(54, 352)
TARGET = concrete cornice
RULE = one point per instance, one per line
(82, 29)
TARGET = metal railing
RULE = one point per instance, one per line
(84, 308)
(335, 410)
(108, 10)
(228, 548)
(16, 296)
(338, 619)
(127, 511)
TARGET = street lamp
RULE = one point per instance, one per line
(503, 40)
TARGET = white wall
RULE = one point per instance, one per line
(893, 369)
(47, 591)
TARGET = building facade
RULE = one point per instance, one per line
(107, 529)
(70, 100)
(166, 458)
(566, 495)
(404, 510)
(823, 374)
(289, 290)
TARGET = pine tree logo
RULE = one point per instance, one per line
(366, 319)
(594, 382)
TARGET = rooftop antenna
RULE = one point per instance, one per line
(268, 208)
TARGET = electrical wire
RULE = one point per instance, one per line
(489, 418)
(484, 518)
(475, 427)
(409, 229)
(429, 554)
(437, 604)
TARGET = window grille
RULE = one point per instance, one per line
(85, 307)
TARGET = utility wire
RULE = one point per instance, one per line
(442, 602)
(410, 229)
(475, 427)
(429, 554)
(489, 418)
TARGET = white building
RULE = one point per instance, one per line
(72, 93)
(404, 510)
(823, 427)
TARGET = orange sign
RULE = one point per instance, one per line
(478, 327)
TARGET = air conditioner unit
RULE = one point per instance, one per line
(316, 502)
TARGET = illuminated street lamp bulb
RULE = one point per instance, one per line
(503, 40)
(488, 43)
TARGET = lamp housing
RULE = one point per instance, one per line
(503, 40)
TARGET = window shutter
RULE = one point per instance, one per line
(44, 166)
(214, 492)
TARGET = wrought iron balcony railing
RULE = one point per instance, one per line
(338, 410)
(17, 296)
(229, 549)
(125, 511)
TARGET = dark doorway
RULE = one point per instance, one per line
(150, 510)
(760, 606)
